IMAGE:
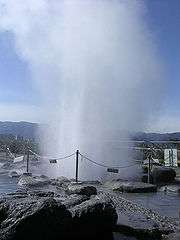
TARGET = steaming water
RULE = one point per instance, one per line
(96, 68)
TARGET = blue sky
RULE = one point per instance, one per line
(163, 17)
(18, 95)
(164, 21)
(16, 77)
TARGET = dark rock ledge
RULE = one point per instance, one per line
(46, 215)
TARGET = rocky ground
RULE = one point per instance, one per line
(135, 220)
(130, 187)
(44, 215)
(61, 209)
(141, 222)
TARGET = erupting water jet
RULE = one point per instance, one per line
(96, 68)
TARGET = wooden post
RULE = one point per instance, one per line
(77, 163)
(6, 154)
(172, 158)
(27, 167)
(149, 167)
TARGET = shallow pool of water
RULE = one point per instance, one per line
(166, 204)
(7, 184)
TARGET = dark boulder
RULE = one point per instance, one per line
(32, 219)
(39, 217)
(98, 212)
(81, 189)
(163, 175)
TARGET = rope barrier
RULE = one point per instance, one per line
(84, 157)
(50, 158)
(105, 166)
(62, 158)
(54, 159)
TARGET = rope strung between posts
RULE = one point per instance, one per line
(84, 157)
(105, 166)
(50, 158)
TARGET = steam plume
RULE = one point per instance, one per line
(96, 68)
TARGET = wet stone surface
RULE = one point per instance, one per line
(131, 187)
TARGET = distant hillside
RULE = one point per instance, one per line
(25, 129)
(141, 136)
(28, 130)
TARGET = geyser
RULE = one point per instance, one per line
(96, 68)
